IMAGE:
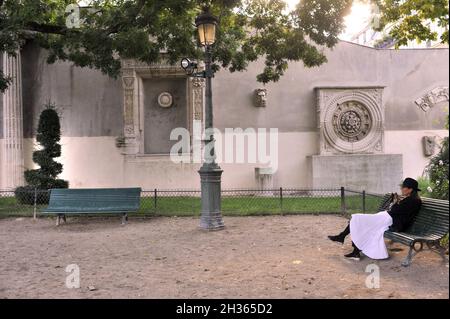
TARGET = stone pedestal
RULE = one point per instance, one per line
(211, 217)
(264, 177)
(376, 173)
(11, 152)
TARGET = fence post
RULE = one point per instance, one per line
(35, 203)
(343, 207)
(155, 199)
(281, 200)
(364, 201)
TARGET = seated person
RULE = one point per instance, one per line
(367, 230)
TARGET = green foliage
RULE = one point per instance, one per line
(151, 30)
(438, 170)
(28, 195)
(4, 81)
(48, 136)
(412, 19)
(425, 186)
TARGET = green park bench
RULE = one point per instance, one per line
(97, 200)
(429, 227)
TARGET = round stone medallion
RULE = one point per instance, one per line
(352, 121)
(165, 99)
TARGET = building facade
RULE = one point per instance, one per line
(365, 119)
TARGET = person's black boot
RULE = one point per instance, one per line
(339, 238)
(355, 254)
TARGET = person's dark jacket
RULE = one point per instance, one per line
(403, 213)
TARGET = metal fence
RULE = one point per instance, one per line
(239, 202)
(360, 201)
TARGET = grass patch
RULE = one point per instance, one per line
(231, 206)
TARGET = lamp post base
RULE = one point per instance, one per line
(211, 216)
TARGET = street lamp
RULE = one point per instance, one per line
(206, 25)
(210, 172)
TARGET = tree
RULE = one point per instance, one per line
(414, 19)
(45, 177)
(143, 29)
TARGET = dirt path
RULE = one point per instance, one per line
(267, 257)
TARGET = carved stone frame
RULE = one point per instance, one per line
(328, 101)
(433, 97)
(133, 74)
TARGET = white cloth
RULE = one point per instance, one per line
(367, 232)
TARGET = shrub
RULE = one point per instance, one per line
(27, 195)
(425, 186)
(45, 177)
(438, 171)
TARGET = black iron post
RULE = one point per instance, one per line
(210, 172)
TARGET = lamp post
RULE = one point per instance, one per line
(210, 172)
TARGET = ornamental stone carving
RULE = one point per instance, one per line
(198, 86)
(350, 120)
(429, 145)
(435, 96)
(133, 74)
(128, 109)
(260, 97)
(165, 99)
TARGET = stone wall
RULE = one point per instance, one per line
(91, 108)
(91, 102)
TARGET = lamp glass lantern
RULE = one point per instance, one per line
(206, 25)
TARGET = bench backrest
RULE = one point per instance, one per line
(95, 199)
(433, 217)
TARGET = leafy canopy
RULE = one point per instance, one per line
(249, 29)
(414, 20)
(142, 29)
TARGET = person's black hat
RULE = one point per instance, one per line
(411, 183)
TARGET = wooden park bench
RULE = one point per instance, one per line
(429, 227)
(90, 201)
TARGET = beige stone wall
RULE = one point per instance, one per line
(2, 172)
(91, 108)
(409, 143)
(97, 162)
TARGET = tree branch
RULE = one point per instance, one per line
(139, 6)
(47, 28)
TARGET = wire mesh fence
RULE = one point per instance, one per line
(360, 201)
(23, 203)
(238, 202)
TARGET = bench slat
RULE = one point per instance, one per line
(431, 223)
(101, 200)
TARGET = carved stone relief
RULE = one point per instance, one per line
(198, 86)
(350, 120)
(260, 97)
(429, 145)
(133, 73)
(437, 95)
(165, 99)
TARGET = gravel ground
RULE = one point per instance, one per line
(253, 257)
